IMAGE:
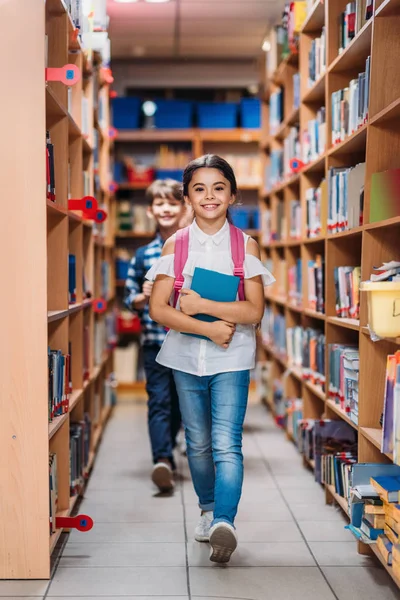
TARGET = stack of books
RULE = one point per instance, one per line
(295, 224)
(60, 383)
(295, 293)
(291, 150)
(345, 197)
(53, 486)
(313, 140)
(344, 364)
(347, 290)
(352, 20)
(315, 207)
(80, 436)
(388, 271)
(350, 106)
(275, 111)
(316, 281)
(317, 58)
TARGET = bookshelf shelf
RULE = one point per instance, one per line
(339, 499)
(189, 135)
(134, 234)
(347, 233)
(316, 93)
(354, 143)
(56, 315)
(340, 412)
(388, 8)
(314, 314)
(355, 53)
(316, 166)
(316, 390)
(343, 322)
(56, 424)
(315, 19)
(390, 113)
(389, 569)
(375, 437)
(395, 221)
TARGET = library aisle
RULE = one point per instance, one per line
(291, 545)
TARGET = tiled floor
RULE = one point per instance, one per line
(291, 545)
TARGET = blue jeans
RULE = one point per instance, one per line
(213, 410)
(164, 417)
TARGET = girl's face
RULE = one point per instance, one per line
(209, 194)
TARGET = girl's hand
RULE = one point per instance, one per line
(221, 333)
(190, 302)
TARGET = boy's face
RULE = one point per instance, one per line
(167, 212)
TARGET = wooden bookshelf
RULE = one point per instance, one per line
(375, 142)
(37, 237)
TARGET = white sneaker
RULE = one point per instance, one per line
(163, 477)
(202, 531)
(223, 540)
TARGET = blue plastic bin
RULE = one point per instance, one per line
(173, 114)
(121, 267)
(217, 115)
(250, 113)
(126, 112)
(240, 217)
(119, 172)
(176, 174)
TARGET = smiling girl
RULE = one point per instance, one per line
(212, 375)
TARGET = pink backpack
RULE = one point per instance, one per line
(182, 252)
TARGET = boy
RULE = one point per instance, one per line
(167, 207)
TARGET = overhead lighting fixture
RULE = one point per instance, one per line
(266, 46)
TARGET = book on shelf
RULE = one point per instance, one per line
(294, 414)
(305, 438)
(274, 170)
(80, 436)
(390, 426)
(306, 351)
(316, 201)
(59, 387)
(295, 225)
(352, 20)
(316, 281)
(345, 197)
(53, 489)
(317, 58)
(296, 91)
(343, 388)
(347, 289)
(276, 114)
(350, 106)
(313, 139)
(295, 295)
(291, 150)
(273, 330)
(335, 450)
(50, 170)
(71, 278)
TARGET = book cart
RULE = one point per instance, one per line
(377, 142)
(38, 235)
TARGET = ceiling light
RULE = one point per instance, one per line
(266, 46)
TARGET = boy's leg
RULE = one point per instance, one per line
(194, 400)
(229, 394)
(158, 386)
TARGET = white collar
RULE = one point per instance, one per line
(203, 237)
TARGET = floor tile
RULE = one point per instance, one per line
(317, 512)
(98, 582)
(300, 495)
(130, 533)
(130, 513)
(340, 554)
(364, 583)
(294, 554)
(251, 511)
(326, 531)
(124, 555)
(23, 588)
(279, 531)
(113, 598)
(266, 583)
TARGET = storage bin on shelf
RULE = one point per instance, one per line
(250, 113)
(126, 112)
(383, 307)
(174, 114)
(176, 174)
(217, 115)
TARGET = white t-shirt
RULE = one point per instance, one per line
(194, 355)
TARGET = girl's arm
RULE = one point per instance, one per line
(248, 312)
(161, 312)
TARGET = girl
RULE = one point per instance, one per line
(211, 375)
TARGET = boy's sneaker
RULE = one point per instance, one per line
(223, 540)
(202, 531)
(163, 477)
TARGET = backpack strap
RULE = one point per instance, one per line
(180, 258)
(238, 256)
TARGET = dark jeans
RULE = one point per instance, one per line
(164, 416)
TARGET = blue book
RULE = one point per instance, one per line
(214, 286)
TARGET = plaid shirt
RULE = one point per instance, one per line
(145, 257)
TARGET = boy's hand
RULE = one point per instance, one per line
(221, 333)
(147, 287)
(190, 302)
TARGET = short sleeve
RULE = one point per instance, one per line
(163, 266)
(253, 267)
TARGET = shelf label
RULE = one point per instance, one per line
(88, 205)
(68, 74)
(80, 522)
(99, 305)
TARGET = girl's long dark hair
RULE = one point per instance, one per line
(210, 161)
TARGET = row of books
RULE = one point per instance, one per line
(294, 414)
(276, 110)
(296, 91)
(345, 197)
(352, 20)
(350, 106)
(313, 139)
(347, 290)
(273, 331)
(60, 383)
(306, 350)
(53, 490)
(80, 436)
(295, 292)
(315, 207)
(316, 283)
(50, 170)
(391, 411)
(274, 169)
(317, 58)
(291, 150)
(344, 361)
(170, 158)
